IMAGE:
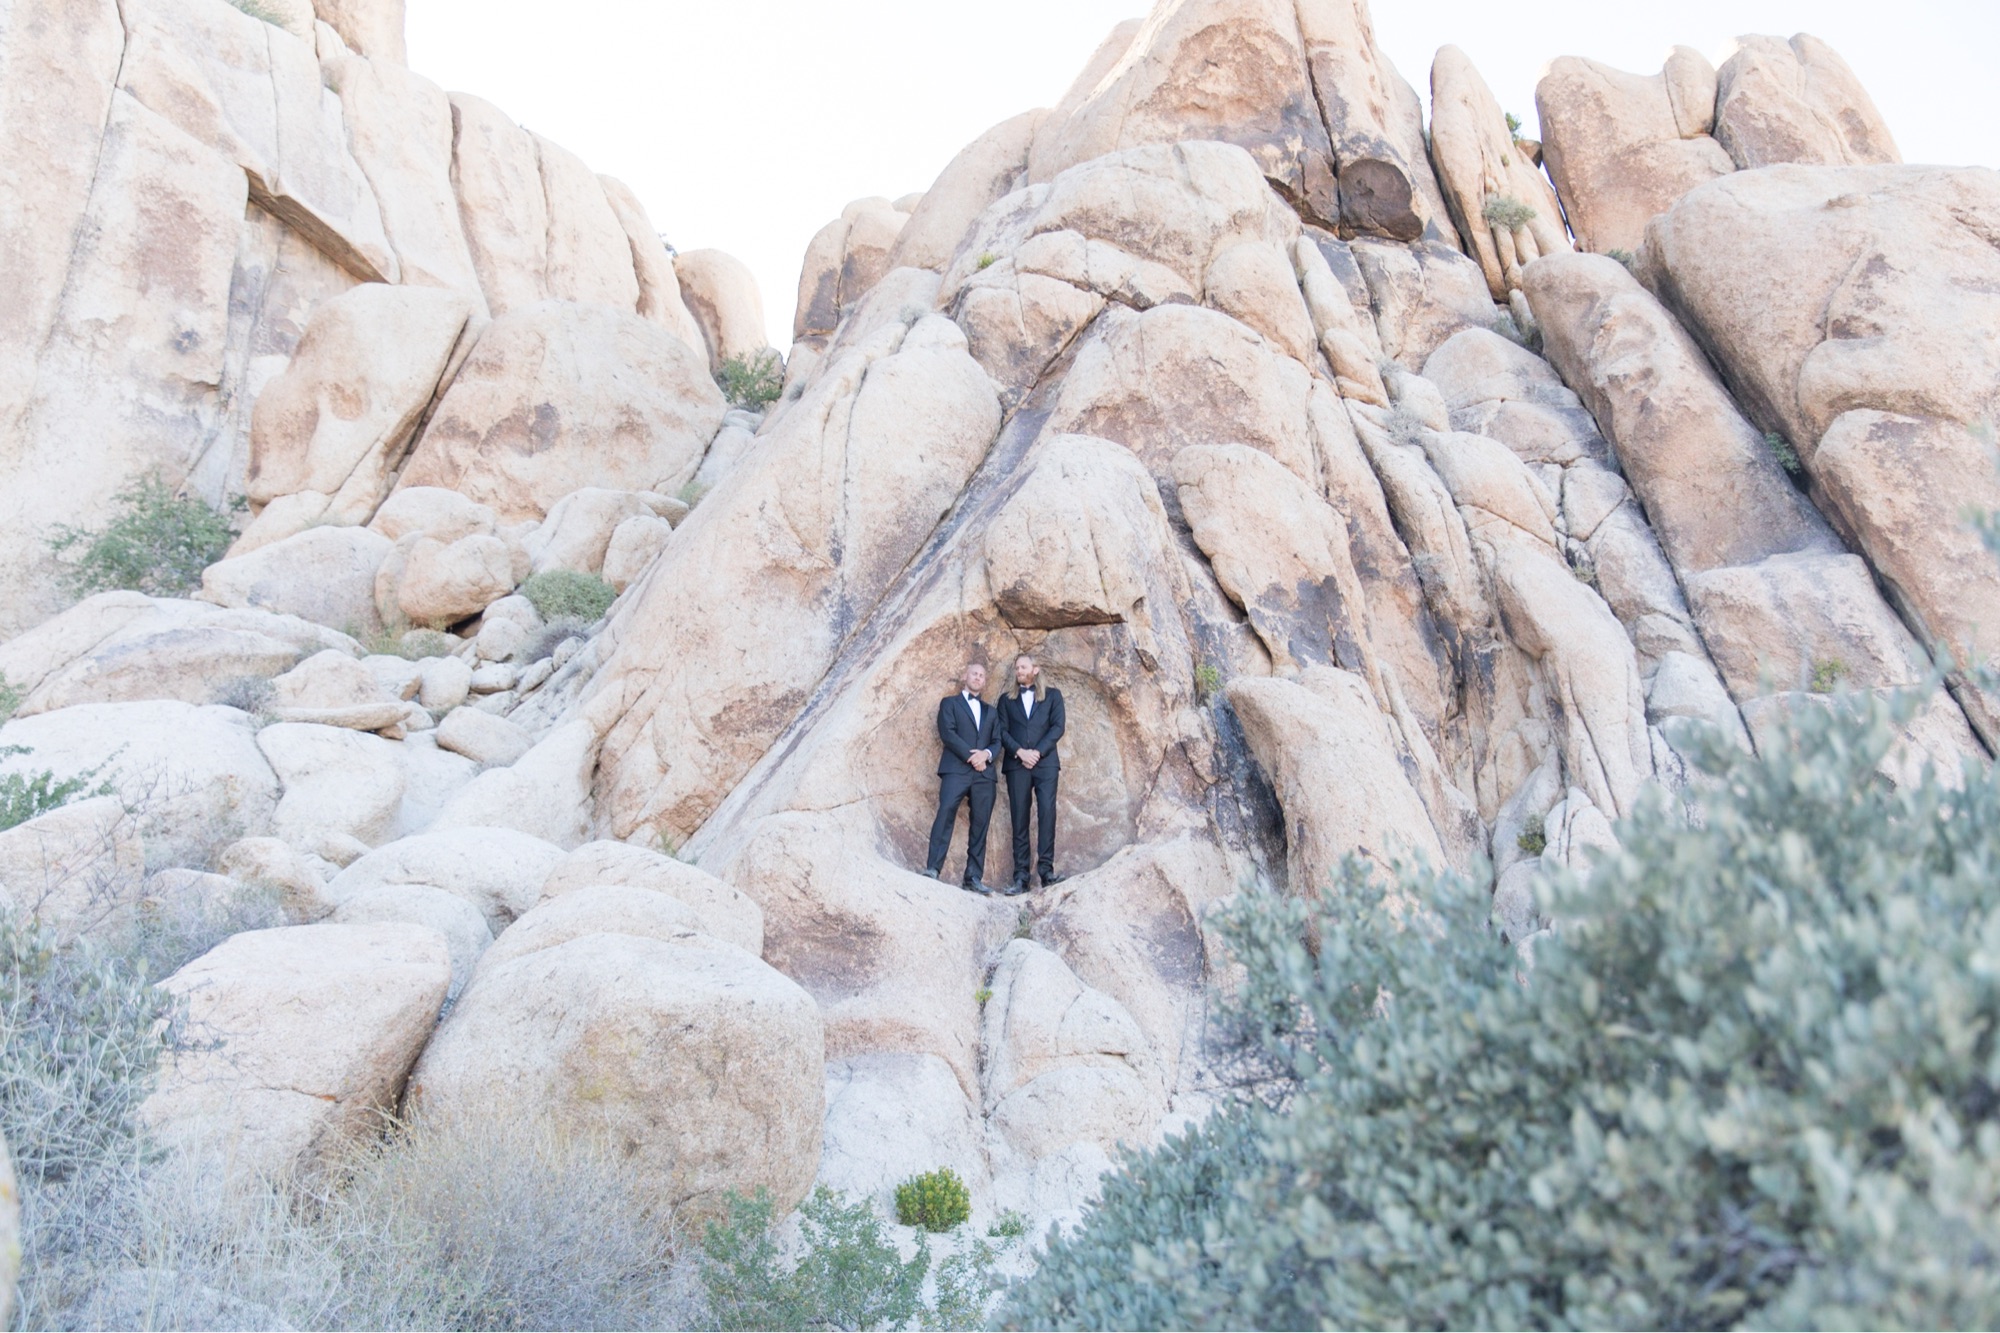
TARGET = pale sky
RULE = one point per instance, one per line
(747, 124)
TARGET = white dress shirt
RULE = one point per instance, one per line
(1027, 703)
(971, 703)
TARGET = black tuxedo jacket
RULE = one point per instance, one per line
(1042, 730)
(961, 736)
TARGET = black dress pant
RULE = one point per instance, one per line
(954, 788)
(1041, 782)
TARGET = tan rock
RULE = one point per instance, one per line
(560, 396)
(1622, 148)
(339, 418)
(191, 774)
(483, 738)
(1482, 169)
(589, 255)
(314, 1029)
(1796, 101)
(984, 170)
(343, 789)
(466, 936)
(659, 290)
(577, 532)
(886, 1110)
(846, 258)
(325, 575)
(1377, 124)
(372, 27)
(1234, 72)
(546, 792)
(1254, 284)
(497, 176)
(499, 871)
(1880, 392)
(599, 909)
(864, 464)
(329, 684)
(635, 544)
(399, 128)
(1316, 738)
(125, 371)
(442, 585)
(261, 104)
(721, 293)
(705, 1066)
(433, 512)
(274, 863)
(1422, 294)
(1713, 488)
(720, 909)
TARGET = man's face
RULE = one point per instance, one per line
(975, 678)
(1025, 672)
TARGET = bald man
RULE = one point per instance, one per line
(968, 769)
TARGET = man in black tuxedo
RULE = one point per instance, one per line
(970, 729)
(1031, 726)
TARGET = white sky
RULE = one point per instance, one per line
(746, 124)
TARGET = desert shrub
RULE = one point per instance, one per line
(81, 1033)
(1507, 212)
(691, 493)
(1827, 675)
(752, 382)
(1625, 257)
(25, 796)
(1010, 1225)
(258, 10)
(559, 594)
(249, 694)
(1207, 680)
(1750, 1080)
(544, 641)
(1513, 125)
(1534, 835)
(157, 543)
(1781, 449)
(166, 932)
(849, 1273)
(936, 1200)
(10, 700)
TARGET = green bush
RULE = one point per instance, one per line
(850, 1274)
(936, 1200)
(566, 594)
(752, 382)
(157, 543)
(1534, 835)
(1750, 1080)
(1507, 212)
(1781, 449)
(26, 796)
(10, 700)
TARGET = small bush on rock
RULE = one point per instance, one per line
(1750, 1081)
(10, 700)
(849, 1275)
(1507, 212)
(565, 594)
(26, 796)
(753, 382)
(157, 543)
(936, 1200)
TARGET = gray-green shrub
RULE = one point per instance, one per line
(26, 796)
(566, 594)
(1754, 1078)
(157, 542)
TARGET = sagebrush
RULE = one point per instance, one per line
(157, 542)
(559, 594)
(936, 1200)
(1750, 1080)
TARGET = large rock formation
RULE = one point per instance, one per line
(1351, 511)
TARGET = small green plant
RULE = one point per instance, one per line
(1010, 1225)
(26, 796)
(157, 543)
(1507, 212)
(559, 594)
(849, 1275)
(982, 995)
(988, 260)
(10, 700)
(544, 641)
(1024, 926)
(936, 1200)
(1781, 449)
(1534, 836)
(1207, 680)
(752, 382)
(412, 643)
(257, 10)
(1827, 675)
(1584, 570)
(1625, 257)
(248, 694)
(691, 494)
(1513, 125)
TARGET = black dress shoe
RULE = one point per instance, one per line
(928, 873)
(1018, 887)
(977, 886)
(1051, 879)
